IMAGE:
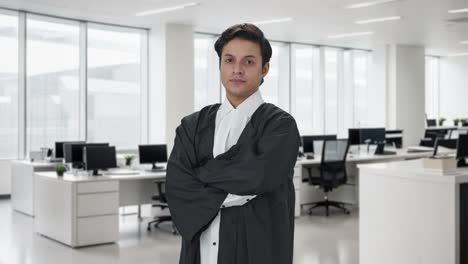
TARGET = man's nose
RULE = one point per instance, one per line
(238, 69)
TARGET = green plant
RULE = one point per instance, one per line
(441, 121)
(463, 120)
(60, 169)
(128, 159)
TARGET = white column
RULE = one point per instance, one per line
(171, 74)
(406, 91)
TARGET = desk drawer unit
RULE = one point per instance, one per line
(97, 209)
(97, 230)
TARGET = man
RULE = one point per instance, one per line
(229, 176)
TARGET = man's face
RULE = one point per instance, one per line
(241, 68)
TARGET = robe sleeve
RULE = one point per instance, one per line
(193, 204)
(255, 167)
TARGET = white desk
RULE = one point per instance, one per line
(22, 183)
(307, 194)
(84, 210)
(412, 215)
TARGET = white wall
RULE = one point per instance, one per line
(406, 91)
(180, 81)
(453, 88)
(5, 177)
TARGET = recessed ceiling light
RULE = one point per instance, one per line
(279, 20)
(458, 54)
(376, 20)
(464, 42)
(165, 9)
(370, 3)
(356, 34)
(455, 11)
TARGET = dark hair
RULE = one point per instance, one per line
(248, 32)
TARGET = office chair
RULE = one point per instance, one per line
(161, 202)
(430, 138)
(332, 172)
(446, 143)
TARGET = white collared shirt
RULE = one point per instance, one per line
(230, 122)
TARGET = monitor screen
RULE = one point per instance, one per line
(354, 136)
(99, 157)
(73, 152)
(372, 135)
(152, 153)
(462, 147)
(308, 141)
(59, 147)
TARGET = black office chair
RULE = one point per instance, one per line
(332, 172)
(161, 202)
(430, 138)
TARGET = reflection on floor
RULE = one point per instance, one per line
(318, 240)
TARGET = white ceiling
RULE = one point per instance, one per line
(424, 21)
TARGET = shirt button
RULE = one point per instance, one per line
(248, 200)
(223, 206)
(214, 243)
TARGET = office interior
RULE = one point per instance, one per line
(100, 86)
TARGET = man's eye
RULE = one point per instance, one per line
(250, 62)
(228, 60)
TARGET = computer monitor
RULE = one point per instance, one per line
(373, 135)
(354, 136)
(73, 152)
(59, 149)
(99, 158)
(152, 154)
(462, 150)
(431, 122)
(358, 136)
(308, 141)
(446, 143)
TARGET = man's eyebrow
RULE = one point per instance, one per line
(247, 56)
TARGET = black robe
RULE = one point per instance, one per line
(261, 163)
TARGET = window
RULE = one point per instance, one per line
(432, 87)
(275, 89)
(52, 97)
(305, 101)
(8, 85)
(361, 62)
(207, 75)
(332, 57)
(114, 96)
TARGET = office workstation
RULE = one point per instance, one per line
(91, 95)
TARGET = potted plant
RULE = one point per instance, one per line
(441, 121)
(60, 169)
(456, 121)
(128, 159)
(464, 121)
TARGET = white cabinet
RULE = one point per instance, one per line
(77, 213)
(22, 184)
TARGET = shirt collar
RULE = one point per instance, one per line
(246, 108)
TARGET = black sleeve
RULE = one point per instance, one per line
(255, 167)
(193, 204)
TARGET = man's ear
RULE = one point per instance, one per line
(265, 69)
